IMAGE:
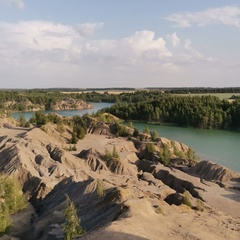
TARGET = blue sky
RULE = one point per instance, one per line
(128, 43)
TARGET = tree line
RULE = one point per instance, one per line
(196, 111)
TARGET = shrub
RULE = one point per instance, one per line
(71, 148)
(136, 132)
(111, 155)
(154, 135)
(158, 210)
(199, 206)
(22, 121)
(12, 201)
(186, 199)
(191, 154)
(164, 155)
(107, 155)
(150, 148)
(74, 138)
(40, 119)
(71, 227)
(115, 153)
(60, 127)
(130, 125)
(27, 124)
(100, 189)
(146, 130)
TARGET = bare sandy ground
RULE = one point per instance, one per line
(219, 220)
(180, 223)
(13, 132)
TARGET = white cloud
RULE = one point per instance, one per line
(228, 15)
(18, 3)
(44, 52)
(37, 35)
(88, 29)
(143, 42)
(174, 39)
(192, 55)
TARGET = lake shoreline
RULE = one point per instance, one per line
(219, 146)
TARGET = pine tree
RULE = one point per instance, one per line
(22, 120)
(115, 153)
(71, 227)
(11, 201)
(154, 135)
(146, 130)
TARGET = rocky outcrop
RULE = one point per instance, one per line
(38, 166)
(70, 103)
(176, 151)
(213, 172)
(99, 128)
(121, 167)
(61, 104)
(93, 159)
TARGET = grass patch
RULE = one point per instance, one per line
(199, 205)
(100, 189)
(186, 199)
(158, 210)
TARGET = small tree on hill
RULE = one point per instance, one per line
(22, 121)
(146, 130)
(11, 201)
(71, 227)
(115, 153)
(150, 148)
(164, 155)
(154, 135)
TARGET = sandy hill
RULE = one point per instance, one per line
(127, 198)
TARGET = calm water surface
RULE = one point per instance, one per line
(69, 113)
(222, 147)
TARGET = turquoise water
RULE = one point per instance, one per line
(69, 113)
(222, 147)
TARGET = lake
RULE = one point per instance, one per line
(69, 113)
(220, 146)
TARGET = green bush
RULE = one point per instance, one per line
(115, 153)
(150, 148)
(71, 227)
(199, 205)
(107, 155)
(154, 135)
(22, 120)
(11, 201)
(164, 155)
(111, 155)
(100, 189)
(186, 199)
(191, 154)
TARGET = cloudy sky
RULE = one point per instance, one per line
(127, 43)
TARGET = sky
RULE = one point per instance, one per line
(127, 43)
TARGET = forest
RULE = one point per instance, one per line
(196, 111)
(152, 106)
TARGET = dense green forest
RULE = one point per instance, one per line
(187, 90)
(154, 106)
(26, 100)
(196, 111)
